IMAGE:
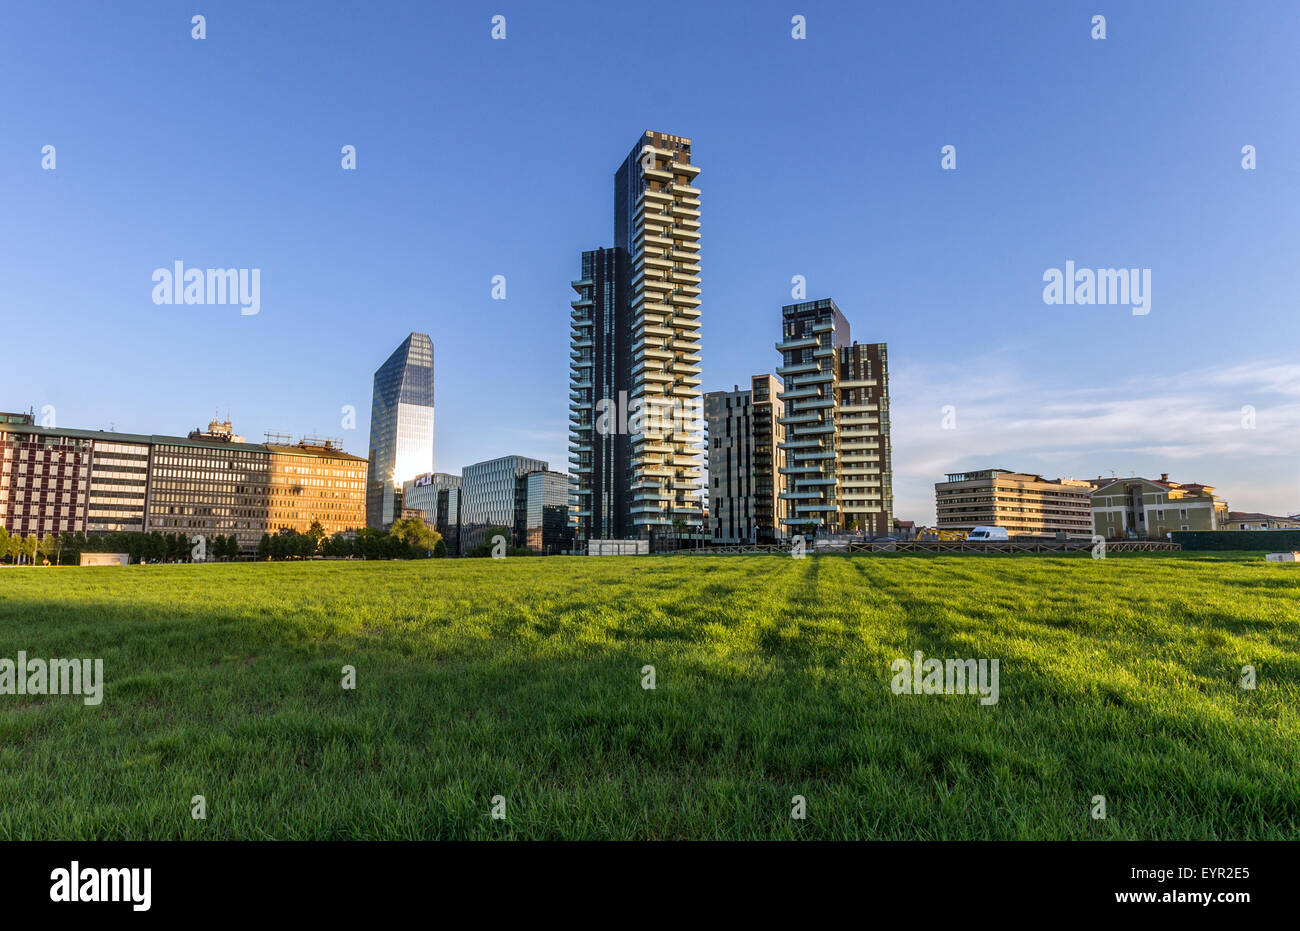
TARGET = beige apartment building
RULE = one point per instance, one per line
(1023, 503)
(1151, 508)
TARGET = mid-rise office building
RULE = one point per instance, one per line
(494, 494)
(837, 475)
(210, 483)
(743, 433)
(119, 484)
(314, 480)
(401, 427)
(636, 347)
(436, 495)
(1024, 503)
(547, 530)
(45, 477)
(1152, 508)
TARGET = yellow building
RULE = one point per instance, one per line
(316, 481)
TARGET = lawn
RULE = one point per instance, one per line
(522, 678)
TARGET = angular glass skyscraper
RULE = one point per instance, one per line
(401, 427)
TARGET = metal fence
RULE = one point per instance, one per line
(947, 547)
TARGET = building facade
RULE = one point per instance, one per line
(600, 371)
(494, 494)
(1024, 503)
(210, 483)
(437, 497)
(45, 477)
(837, 475)
(769, 434)
(1252, 520)
(743, 436)
(401, 427)
(119, 484)
(547, 529)
(315, 481)
(638, 312)
(1151, 508)
(729, 443)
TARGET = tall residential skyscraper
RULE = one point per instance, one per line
(635, 386)
(401, 427)
(837, 475)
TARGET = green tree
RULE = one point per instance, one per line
(264, 547)
(415, 534)
(316, 533)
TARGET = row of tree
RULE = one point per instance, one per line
(66, 548)
(409, 538)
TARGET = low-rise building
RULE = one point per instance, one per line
(1022, 502)
(1251, 520)
(1149, 509)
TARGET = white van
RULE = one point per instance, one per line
(986, 534)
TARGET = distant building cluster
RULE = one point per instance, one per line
(810, 456)
(1113, 508)
(519, 495)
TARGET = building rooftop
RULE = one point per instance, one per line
(195, 439)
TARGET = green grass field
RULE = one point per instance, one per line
(522, 678)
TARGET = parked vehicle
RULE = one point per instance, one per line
(986, 534)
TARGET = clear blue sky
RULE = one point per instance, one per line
(820, 157)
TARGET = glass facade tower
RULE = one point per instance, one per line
(401, 427)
